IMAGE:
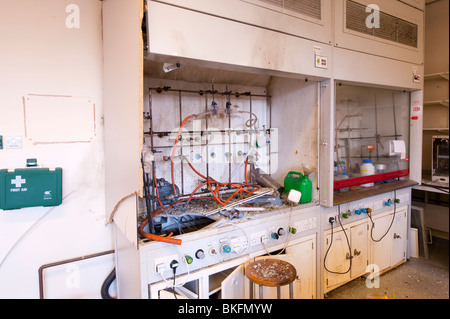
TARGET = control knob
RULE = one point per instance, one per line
(225, 248)
(200, 254)
(274, 235)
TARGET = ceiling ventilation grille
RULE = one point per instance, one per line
(391, 28)
(310, 8)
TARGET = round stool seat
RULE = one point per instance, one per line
(271, 272)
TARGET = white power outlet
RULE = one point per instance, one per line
(332, 215)
(12, 142)
(256, 239)
(162, 264)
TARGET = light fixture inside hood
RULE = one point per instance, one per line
(168, 67)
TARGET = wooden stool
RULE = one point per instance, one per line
(271, 273)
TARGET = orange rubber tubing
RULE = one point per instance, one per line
(168, 239)
(174, 149)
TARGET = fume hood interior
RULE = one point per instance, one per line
(214, 138)
(371, 136)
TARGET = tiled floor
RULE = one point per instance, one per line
(416, 279)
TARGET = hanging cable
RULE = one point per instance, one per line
(349, 256)
(389, 228)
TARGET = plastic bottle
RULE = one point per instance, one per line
(341, 177)
(292, 181)
(306, 190)
(366, 169)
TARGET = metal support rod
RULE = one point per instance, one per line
(168, 89)
(395, 125)
(181, 147)
(207, 139)
(376, 127)
(153, 203)
(269, 99)
(229, 137)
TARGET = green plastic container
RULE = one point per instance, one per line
(306, 190)
(292, 181)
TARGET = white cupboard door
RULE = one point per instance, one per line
(336, 261)
(233, 287)
(381, 246)
(271, 292)
(359, 244)
(398, 236)
(305, 264)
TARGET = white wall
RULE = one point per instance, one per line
(42, 55)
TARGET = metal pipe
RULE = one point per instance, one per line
(181, 148)
(62, 262)
(201, 92)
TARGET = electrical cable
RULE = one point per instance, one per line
(29, 230)
(331, 243)
(104, 291)
(389, 228)
(174, 284)
(287, 239)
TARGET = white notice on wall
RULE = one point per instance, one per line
(59, 119)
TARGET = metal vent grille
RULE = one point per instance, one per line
(310, 8)
(391, 28)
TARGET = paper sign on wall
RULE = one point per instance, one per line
(416, 109)
(59, 119)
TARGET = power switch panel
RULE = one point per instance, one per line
(321, 62)
(12, 142)
(30, 188)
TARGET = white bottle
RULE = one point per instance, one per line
(366, 169)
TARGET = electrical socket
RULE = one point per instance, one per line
(332, 215)
(302, 225)
(238, 244)
(264, 239)
(162, 264)
(255, 239)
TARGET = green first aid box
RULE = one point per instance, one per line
(30, 187)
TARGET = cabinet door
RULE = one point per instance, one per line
(233, 287)
(271, 292)
(336, 262)
(303, 257)
(305, 264)
(359, 244)
(398, 235)
(381, 248)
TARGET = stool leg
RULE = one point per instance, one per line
(278, 293)
(252, 287)
(291, 290)
(261, 292)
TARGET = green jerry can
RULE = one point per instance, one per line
(306, 190)
(292, 181)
